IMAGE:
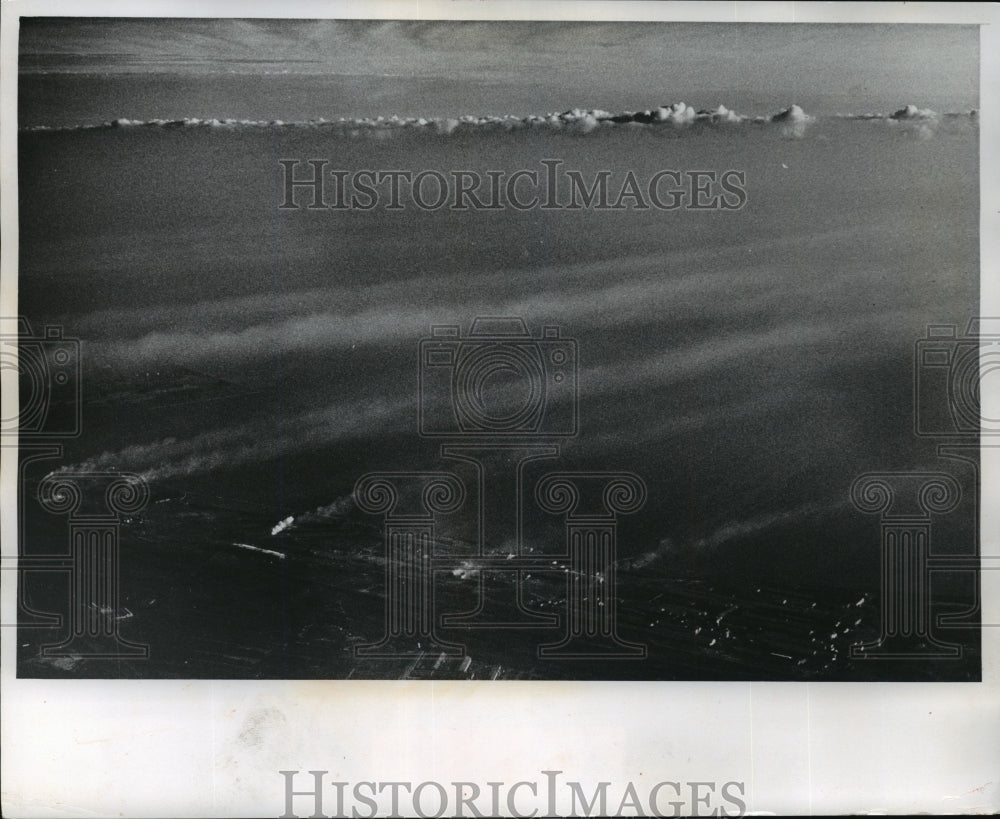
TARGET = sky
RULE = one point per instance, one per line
(829, 68)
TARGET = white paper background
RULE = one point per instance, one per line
(175, 748)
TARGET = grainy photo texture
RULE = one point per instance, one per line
(498, 350)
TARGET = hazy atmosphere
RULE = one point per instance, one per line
(747, 351)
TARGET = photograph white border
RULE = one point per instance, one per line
(181, 748)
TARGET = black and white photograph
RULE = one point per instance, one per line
(481, 350)
(470, 349)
